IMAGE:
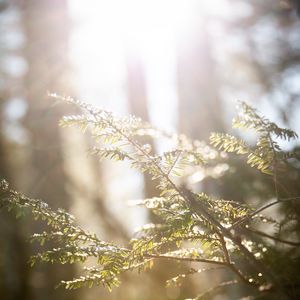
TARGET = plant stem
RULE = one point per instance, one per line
(272, 237)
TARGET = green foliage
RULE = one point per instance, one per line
(267, 154)
(194, 227)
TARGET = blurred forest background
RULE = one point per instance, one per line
(180, 64)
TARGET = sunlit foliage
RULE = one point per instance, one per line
(193, 227)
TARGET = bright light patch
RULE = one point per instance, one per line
(106, 31)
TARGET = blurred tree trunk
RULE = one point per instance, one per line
(14, 270)
(138, 106)
(200, 106)
(109, 221)
(46, 28)
(200, 109)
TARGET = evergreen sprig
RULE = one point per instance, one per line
(193, 227)
(266, 154)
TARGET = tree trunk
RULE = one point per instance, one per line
(200, 109)
(46, 28)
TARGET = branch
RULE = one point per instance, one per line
(231, 266)
(174, 163)
(189, 259)
(248, 217)
(209, 291)
(272, 237)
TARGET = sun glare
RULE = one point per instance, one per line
(106, 32)
(136, 21)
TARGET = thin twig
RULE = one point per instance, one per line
(248, 217)
(189, 259)
(272, 237)
(209, 291)
(174, 163)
